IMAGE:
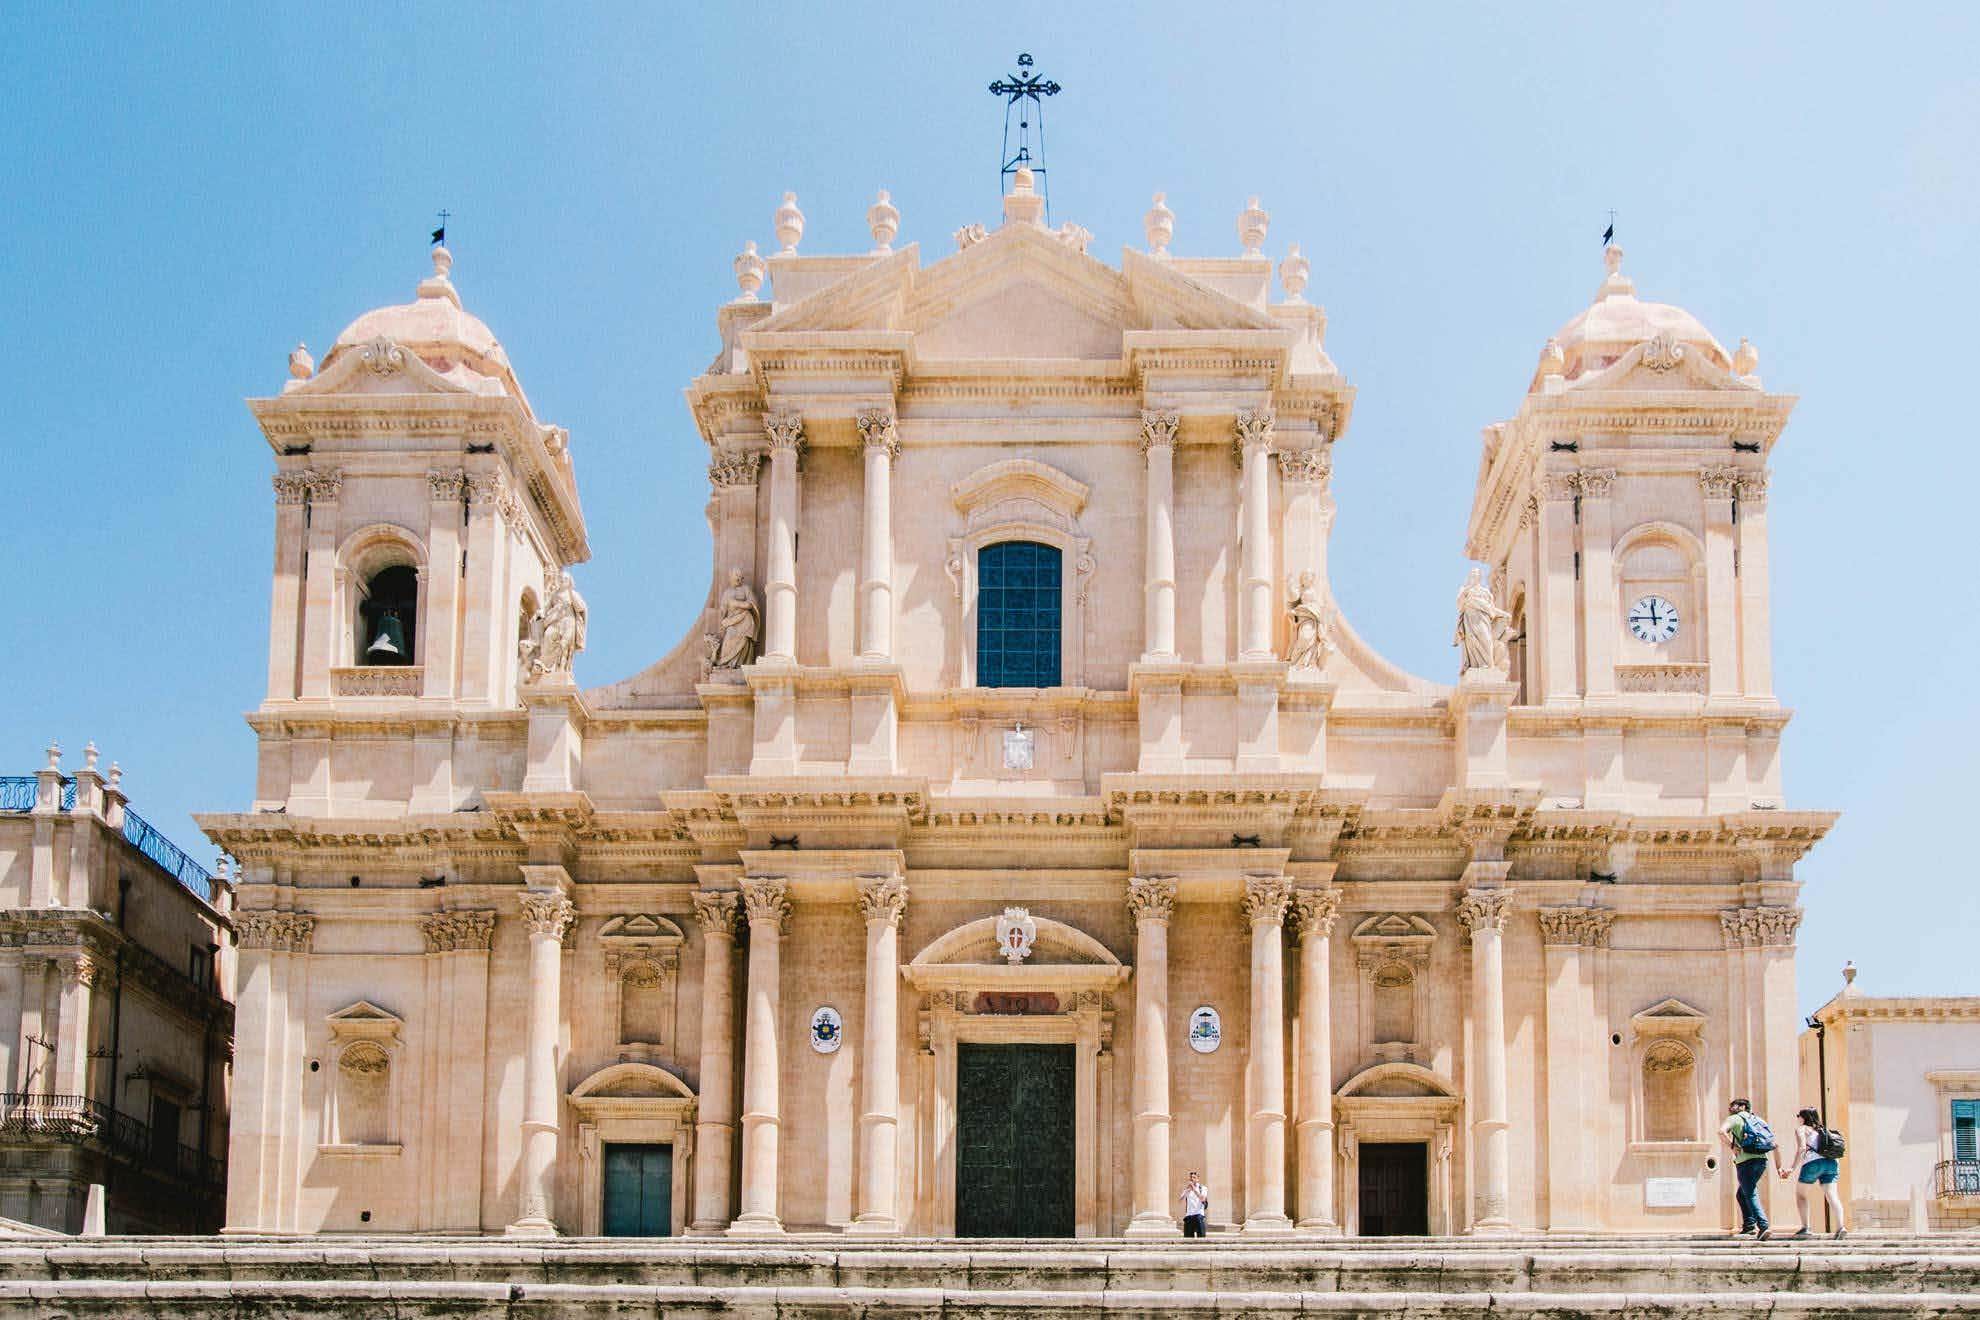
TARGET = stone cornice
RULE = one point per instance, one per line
(1846, 1008)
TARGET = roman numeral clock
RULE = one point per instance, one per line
(1653, 619)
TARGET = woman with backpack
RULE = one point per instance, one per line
(1816, 1150)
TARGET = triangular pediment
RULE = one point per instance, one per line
(1671, 1010)
(364, 1011)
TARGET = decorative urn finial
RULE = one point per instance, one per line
(54, 756)
(884, 219)
(1849, 973)
(89, 755)
(116, 774)
(749, 272)
(301, 365)
(1293, 273)
(1746, 358)
(1159, 225)
(1252, 223)
(1612, 256)
(790, 225)
(443, 262)
(1022, 180)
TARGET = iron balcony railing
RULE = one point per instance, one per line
(17, 793)
(1956, 1178)
(79, 1119)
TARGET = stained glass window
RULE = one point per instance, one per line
(1017, 615)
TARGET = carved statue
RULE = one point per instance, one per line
(1482, 628)
(557, 631)
(1306, 610)
(741, 620)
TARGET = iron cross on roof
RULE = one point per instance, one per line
(1025, 85)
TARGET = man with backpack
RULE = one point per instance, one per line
(1816, 1150)
(1749, 1138)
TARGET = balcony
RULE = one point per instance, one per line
(17, 794)
(1956, 1180)
(79, 1120)
(376, 680)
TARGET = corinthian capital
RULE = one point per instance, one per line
(1484, 909)
(877, 429)
(452, 932)
(1775, 927)
(1265, 899)
(548, 912)
(325, 484)
(1752, 485)
(767, 900)
(715, 909)
(1254, 427)
(785, 430)
(447, 486)
(280, 932)
(1312, 466)
(1159, 428)
(1313, 912)
(882, 898)
(1151, 898)
(1593, 483)
(734, 469)
(291, 487)
(1717, 482)
(1581, 926)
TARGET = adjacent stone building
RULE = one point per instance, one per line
(116, 1031)
(1020, 824)
(1900, 1076)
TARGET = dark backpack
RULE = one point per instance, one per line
(1755, 1137)
(1828, 1143)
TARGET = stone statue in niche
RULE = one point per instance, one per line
(741, 620)
(1306, 611)
(1483, 628)
(556, 634)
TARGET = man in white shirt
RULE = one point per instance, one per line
(1196, 1207)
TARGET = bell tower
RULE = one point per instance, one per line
(424, 522)
(1623, 515)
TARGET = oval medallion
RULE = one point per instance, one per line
(827, 1031)
(1206, 1030)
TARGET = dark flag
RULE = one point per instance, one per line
(440, 234)
(1608, 235)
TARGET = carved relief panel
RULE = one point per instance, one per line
(1391, 955)
(642, 971)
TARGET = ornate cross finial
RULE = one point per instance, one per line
(1025, 92)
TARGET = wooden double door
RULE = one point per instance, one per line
(639, 1190)
(1014, 1140)
(1395, 1188)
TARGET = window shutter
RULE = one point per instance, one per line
(1966, 1129)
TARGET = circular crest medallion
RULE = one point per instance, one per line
(827, 1031)
(1206, 1030)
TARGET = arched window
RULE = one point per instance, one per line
(1395, 1004)
(388, 617)
(1670, 1106)
(1017, 615)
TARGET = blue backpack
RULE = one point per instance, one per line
(1755, 1137)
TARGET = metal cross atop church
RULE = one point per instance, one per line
(1020, 87)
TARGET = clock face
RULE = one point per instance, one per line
(1653, 619)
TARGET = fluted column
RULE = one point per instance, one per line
(786, 434)
(1265, 899)
(547, 913)
(880, 439)
(1152, 902)
(1483, 911)
(1313, 918)
(768, 904)
(882, 900)
(715, 1107)
(1254, 438)
(1721, 614)
(1158, 442)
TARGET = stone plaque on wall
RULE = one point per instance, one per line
(1669, 1193)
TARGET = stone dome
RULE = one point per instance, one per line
(454, 342)
(1618, 321)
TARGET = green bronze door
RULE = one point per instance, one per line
(639, 1191)
(1014, 1140)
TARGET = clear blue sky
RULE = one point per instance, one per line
(190, 190)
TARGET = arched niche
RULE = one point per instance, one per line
(635, 1103)
(1398, 1102)
(1665, 559)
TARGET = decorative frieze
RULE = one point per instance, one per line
(767, 900)
(1309, 466)
(281, 932)
(1584, 926)
(716, 911)
(1314, 911)
(730, 470)
(1265, 898)
(1662, 678)
(454, 932)
(1484, 909)
(547, 912)
(376, 680)
(1152, 898)
(882, 898)
(1159, 428)
(878, 428)
(1717, 482)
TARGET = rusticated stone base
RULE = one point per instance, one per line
(194, 1279)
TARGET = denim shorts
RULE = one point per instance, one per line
(1818, 1171)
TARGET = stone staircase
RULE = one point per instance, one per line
(801, 1277)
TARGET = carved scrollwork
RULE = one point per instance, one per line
(450, 932)
(785, 431)
(768, 901)
(548, 913)
(281, 932)
(447, 486)
(1311, 466)
(1484, 909)
(1581, 926)
(882, 898)
(1718, 481)
(734, 469)
(1767, 927)
(878, 429)
(1752, 486)
(1151, 898)
(1265, 899)
(1314, 911)
(1254, 430)
(291, 487)
(325, 484)
(716, 911)
(1593, 483)
(381, 356)
(1159, 428)
(1662, 352)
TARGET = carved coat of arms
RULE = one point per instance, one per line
(1015, 932)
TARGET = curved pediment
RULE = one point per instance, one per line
(632, 1081)
(1399, 1081)
(975, 943)
(1020, 479)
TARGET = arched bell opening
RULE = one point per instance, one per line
(388, 616)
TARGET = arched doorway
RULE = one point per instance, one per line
(1396, 1127)
(635, 1138)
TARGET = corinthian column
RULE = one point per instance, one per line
(548, 913)
(1151, 901)
(1313, 919)
(1265, 898)
(780, 588)
(882, 900)
(769, 907)
(880, 439)
(1721, 587)
(1158, 442)
(1483, 911)
(1254, 437)
(715, 1108)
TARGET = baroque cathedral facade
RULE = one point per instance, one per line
(1020, 825)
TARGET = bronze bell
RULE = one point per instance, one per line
(388, 645)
